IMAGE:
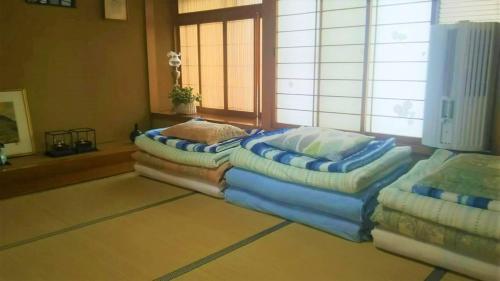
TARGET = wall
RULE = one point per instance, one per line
(160, 16)
(79, 70)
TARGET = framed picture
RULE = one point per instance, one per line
(15, 123)
(115, 9)
(59, 3)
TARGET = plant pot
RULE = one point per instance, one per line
(189, 108)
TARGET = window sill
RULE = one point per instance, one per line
(242, 122)
(248, 123)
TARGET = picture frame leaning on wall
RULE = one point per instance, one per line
(16, 132)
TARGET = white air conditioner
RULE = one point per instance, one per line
(462, 82)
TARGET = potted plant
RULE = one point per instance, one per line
(184, 100)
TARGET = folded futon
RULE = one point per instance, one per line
(444, 211)
(337, 196)
(193, 155)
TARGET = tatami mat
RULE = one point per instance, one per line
(139, 246)
(297, 252)
(131, 228)
(36, 214)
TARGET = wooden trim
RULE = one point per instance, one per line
(435, 11)
(243, 122)
(364, 90)
(277, 125)
(317, 53)
(199, 64)
(227, 112)
(268, 63)
(154, 99)
(256, 63)
(177, 45)
(226, 14)
(224, 64)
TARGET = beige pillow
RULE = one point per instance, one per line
(203, 131)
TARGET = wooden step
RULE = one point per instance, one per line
(38, 172)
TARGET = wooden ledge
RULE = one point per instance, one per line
(242, 122)
(38, 172)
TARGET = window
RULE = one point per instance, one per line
(397, 67)
(221, 56)
(189, 6)
(353, 65)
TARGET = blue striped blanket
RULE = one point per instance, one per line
(369, 153)
(186, 145)
(468, 200)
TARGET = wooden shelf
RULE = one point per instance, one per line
(39, 172)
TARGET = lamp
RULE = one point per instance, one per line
(175, 61)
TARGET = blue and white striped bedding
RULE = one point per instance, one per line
(369, 153)
(187, 145)
(468, 200)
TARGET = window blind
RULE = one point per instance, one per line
(189, 6)
(189, 56)
(240, 65)
(452, 11)
(330, 73)
(212, 65)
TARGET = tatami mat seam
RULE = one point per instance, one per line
(92, 222)
(201, 262)
(436, 275)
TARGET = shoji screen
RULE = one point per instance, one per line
(297, 53)
(341, 64)
(189, 6)
(452, 11)
(320, 53)
(331, 73)
(399, 35)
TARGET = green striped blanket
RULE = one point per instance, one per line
(468, 174)
(351, 182)
(199, 159)
(473, 220)
(447, 237)
(469, 179)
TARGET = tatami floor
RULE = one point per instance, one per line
(131, 228)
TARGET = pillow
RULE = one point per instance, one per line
(203, 131)
(317, 142)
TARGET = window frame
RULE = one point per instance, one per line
(224, 15)
(271, 5)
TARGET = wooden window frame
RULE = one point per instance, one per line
(224, 15)
(269, 96)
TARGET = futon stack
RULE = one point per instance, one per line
(193, 155)
(446, 212)
(324, 178)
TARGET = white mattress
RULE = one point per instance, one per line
(189, 183)
(434, 255)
